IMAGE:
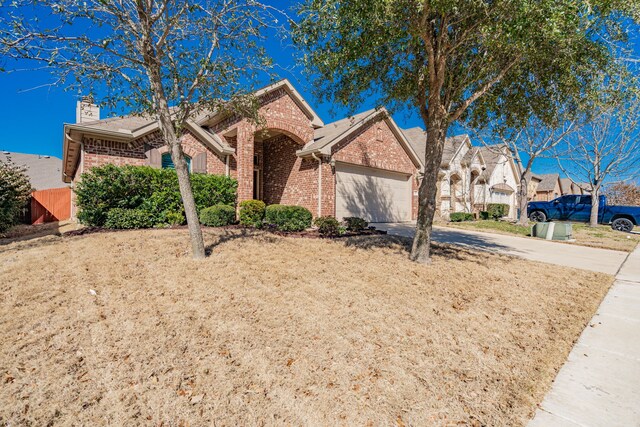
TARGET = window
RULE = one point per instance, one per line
(167, 162)
(585, 200)
(571, 199)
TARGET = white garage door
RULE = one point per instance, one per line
(373, 194)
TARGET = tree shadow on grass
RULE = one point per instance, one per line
(402, 245)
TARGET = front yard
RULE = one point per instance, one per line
(601, 236)
(125, 328)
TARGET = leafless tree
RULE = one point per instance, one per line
(606, 148)
(168, 59)
(525, 146)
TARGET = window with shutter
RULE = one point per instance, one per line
(167, 162)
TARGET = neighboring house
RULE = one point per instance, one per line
(358, 166)
(51, 198)
(44, 172)
(532, 188)
(569, 187)
(549, 188)
(499, 181)
(460, 170)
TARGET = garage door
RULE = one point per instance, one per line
(373, 194)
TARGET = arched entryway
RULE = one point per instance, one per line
(274, 164)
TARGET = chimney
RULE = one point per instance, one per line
(87, 111)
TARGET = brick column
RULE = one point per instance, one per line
(244, 155)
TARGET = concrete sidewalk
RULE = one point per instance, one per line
(599, 385)
(593, 259)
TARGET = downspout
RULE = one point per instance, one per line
(319, 159)
(226, 169)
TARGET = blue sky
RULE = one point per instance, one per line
(33, 113)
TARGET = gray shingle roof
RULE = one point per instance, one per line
(548, 182)
(330, 132)
(491, 155)
(128, 123)
(417, 137)
(44, 171)
(565, 185)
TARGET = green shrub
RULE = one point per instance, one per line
(15, 191)
(127, 219)
(460, 216)
(155, 191)
(164, 206)
(212, 190)
(497, 210)
(252, 213)
(355, 223)
(484, 215)
(327, 225)
(218, 216)
(288, 218)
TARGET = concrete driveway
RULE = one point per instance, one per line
(593, 259)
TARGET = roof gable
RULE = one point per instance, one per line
(333, 133)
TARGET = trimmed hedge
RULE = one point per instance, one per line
(497, 210)
(460, 216)
(355, 223)
(128, 219)
(252, 213)
(484, 215)
(154, 191)
(288, 218)
(327, 225)
(218, 216)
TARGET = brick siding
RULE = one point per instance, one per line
(285, 177)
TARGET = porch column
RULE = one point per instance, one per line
(244, 158)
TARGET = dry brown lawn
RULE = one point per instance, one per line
(278, 331)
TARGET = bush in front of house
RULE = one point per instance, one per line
(155, 191)
(126, 219)
(497, 210)
(288, 218)
(327, 225)
(355, 224)
(218, 216)
(252, 213)
(460, 216)
(15, 190)
(484, 215)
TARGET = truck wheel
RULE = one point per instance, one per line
(537, 216)
(622, 224)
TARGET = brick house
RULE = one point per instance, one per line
(359, 166)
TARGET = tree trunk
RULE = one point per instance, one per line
(436, 134)
(595, 206)
(523, 199)
(184, 182)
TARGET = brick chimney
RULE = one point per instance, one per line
(87, 111)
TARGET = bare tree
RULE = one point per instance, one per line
(168, 59)
(525, 146)
(606, 148)
(623, 193)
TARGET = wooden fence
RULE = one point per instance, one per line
(50, 205)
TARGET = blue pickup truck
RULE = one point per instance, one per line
(573, 207)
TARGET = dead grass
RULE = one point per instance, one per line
(271, 330)
(602, 236)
